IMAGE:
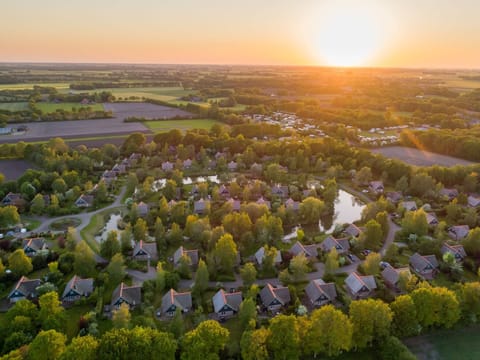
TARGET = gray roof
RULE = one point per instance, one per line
(192, 254)
(167, 166)
(317, 289)
(222, 298)
(200, 205)
(294, 205)
(308, 250)
(432, 219)
(458, 232)
(274, 295)
(330, 242)
(132, 295)
(450, 193)
(26, 287)
(142, 208)
(421, 263)
(394, 196)
(376, 185)
(280, 190)
(473, 201)
(143, 248)
(260, 255)
(392, 275)
(409, 205)
(353, 230)
(83, 287)
(35, 244)
(456, 250)
(84, 200)
(262, 201)
(356, 282)
(235, 204)
(173, 300)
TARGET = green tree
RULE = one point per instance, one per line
(110, 246)
(329, 332)
(269, 229)
(8, 216)
(248, 274)
(436, 306)
(201, 279)
(19, 263)
(116, 269)
(247, 312)
(126, 240)
(84, 264)
(225, 254)
(371, 265)
(37, 206)
(237, 224)
(468, 295)
(47, 345)
(373, 235)
(331, 263)
(121, 317)
(311, 209)
(254, 344)
(404, 321)
(160, 280)
(472, 242)
(81, 348)
(299, 267)
(284, 339)
(371, 321)
(204, 342)
(52, 313)
(363, 176)
(415, 222)
(140, 230)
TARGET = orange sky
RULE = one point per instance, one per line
(406, 33)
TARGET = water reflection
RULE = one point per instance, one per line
(112, 224)
(347, 210)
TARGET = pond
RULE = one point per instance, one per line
(160, 183)
(112, 224)
(348, 209)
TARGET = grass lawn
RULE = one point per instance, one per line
(438, 344)
(30, 223)
(52, 107)
(16, 106)
(234, 327)
(159, 126)
(72, 316)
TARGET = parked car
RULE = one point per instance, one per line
(384, 264)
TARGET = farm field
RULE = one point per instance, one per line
(145, 110)
(58, 86)
(14, 168)
(438, 345)
(16, 106)
(52, 107)
(157, 93)
(159, 126)
(419, 157)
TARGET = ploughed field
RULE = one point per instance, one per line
(145, 110)
(419, 157)
(14, 168)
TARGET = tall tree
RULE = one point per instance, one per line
(373, 235)
(47, 345)
(121, 317)
(436, 306)
(284, 339)
(140, 230)
(225, 254)
(84, 264)
(331, 263)
(52, 313)
(254, 344)
(110, 246)
(116, 269)
(405, 321)
(19, 263)
(204, 342)
(299, 267)
(201, 279)
(81, 348)
(371, 265)
(248, 274)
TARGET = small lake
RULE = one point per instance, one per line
(347, 210)
(109, 226)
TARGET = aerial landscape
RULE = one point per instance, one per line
(246, 180)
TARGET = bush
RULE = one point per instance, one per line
(393, 349)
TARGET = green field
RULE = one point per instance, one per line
(159, 126)
(447, 344)
(157, 93)
(17, 106)
(58, 86)
(52, 107)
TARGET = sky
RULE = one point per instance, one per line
(386, 33)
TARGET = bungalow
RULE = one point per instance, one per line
(262, 201)
(187, 164)
(377, 187)
(391, 277)
(280, 191)
(77, 288)
(432, 219)
(260, 255)
(219, 155)
(144, 251)
(274, 298)
(181, 251)
(226, 304)
(409, 205)
(212, 164)
(223, 191)
(142, 209)
(232, 166)
(360, 287)
(235, 204)
(109, 176)
(13, 199)
(32, 246)
(131, 295)
(425, 266)
(256, 168)
(167, 166)
(449, 193)
(201, 206)
(135, 156)
(341, 245)
(310, 251)
(173, 300)
(119, 169)
(394, 196)
(458, 232)
(24, 289)
(84, 201)
(353, 231)
(456, 250)
(473, 201)
(320, 293)
(292, 204)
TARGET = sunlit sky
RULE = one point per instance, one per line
(403, 33)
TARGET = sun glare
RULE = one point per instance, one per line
(348, 36)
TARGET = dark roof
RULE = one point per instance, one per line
(392, 275)
(182, 301)
(222, 298)
(83, 287)
(318, 288)
(308, 250)
(421, 263)
(143, 248)
(192, 254)
(270, 293)
(356, 282)
(132, 295)
(26, 287)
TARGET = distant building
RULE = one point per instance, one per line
(377, 187)
(409, 205)
(226, 304)
(77, 288)
(310, 251)
(360, 287)
(425, 266)
(458, 232)
(33, 246)
(341, 245)
(144, 251)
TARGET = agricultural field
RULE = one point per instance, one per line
(48, 108)
(438, 345)
(16, 106)
(14, 168)
(58, 86)
(157, 93)
(420, 157)
(159, 126)
(145, 110)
